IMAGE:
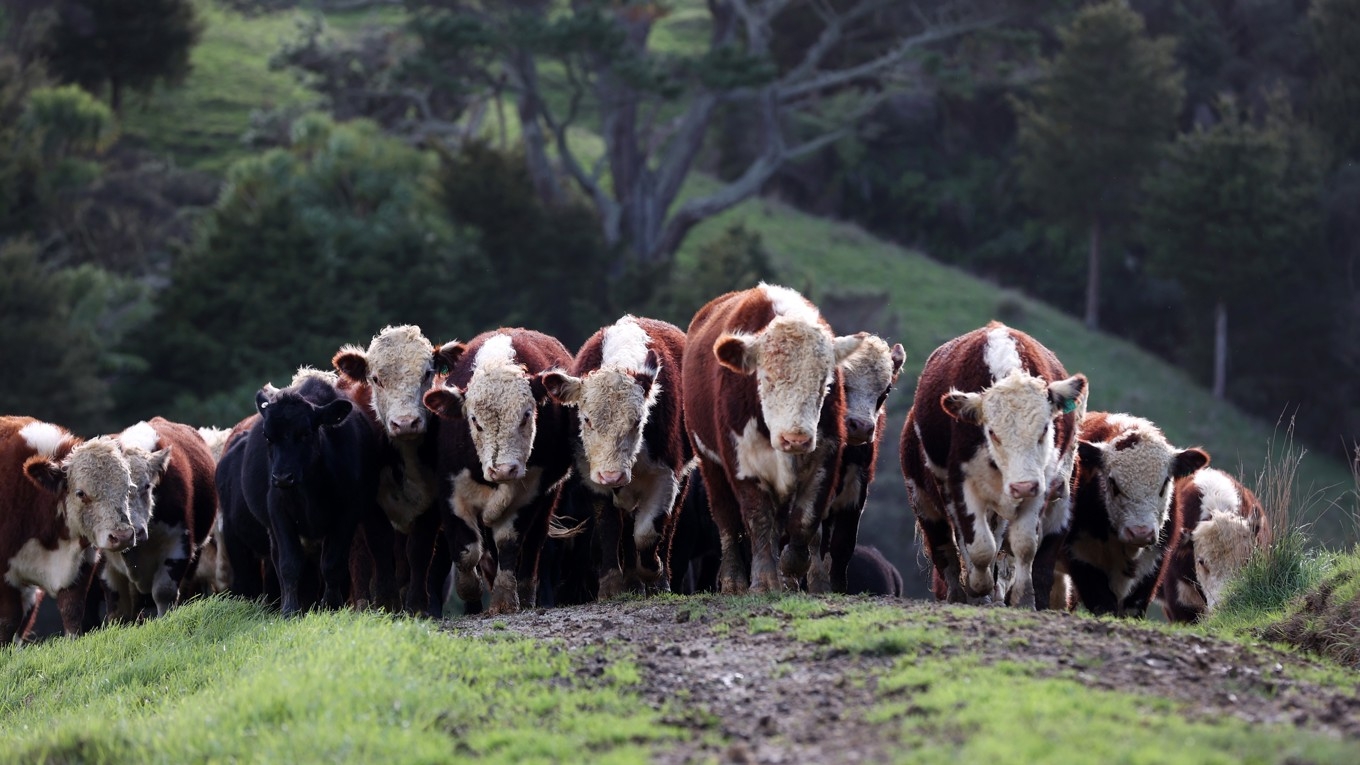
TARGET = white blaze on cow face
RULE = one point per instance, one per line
(92, 486)
(501, 411)
(613, 402)
(146, 470)
(1136, 472)
(399, 366)
(1223, 539)
(794, 361)
(868, 375)
(1016, 416)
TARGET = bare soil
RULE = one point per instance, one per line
(771, 698)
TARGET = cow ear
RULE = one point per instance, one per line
(160, 461)
(446, 403)
(899, 357)
(334, 413)
(847, 344)
(1092, 455)
(45, 474)
(737, 353)
(447, 355)
(1067, 395)
(1188, 461)
(964, 407)
(264, 397)
(561, 387)
(352, 362)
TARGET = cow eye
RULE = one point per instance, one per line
(1114, 487)
(586, 421)
(1043, 435)
(376, 382)
(429, 375)
(995, 438)
(475, 424)
(80, 493)
(525, 419)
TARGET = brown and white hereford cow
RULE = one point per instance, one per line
(388, 381)
(502, 459)
(765, 411)
(176, 502)
(869, 375)
(58, 496)
(1216, 526)
(632, 451)
(987, 449)
(212, 574)
(1121, 511)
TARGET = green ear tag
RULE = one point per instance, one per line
(1069, 406)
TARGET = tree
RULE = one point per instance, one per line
(126, 44)
(597, 61)
(1336, 90)
(1231, 212)
(1094, 122)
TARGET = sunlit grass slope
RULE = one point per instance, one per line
(227, 681)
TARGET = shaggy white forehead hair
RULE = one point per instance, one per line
(1218, 493)
(402, 349)
(625, 345)
(1017, 406)
(869, 368)
(1139, 457)
(98, 467)
(500, 385)
(303, 372)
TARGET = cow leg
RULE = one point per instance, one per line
(380, 538)
(12, 613)
(844, 533)
(1023, 536)
(1093, 588)
(505, 589)
(241, 567)
(819, 570)
(763, 531)
(726, 513)
(941, 547)
(1044, 570)
(465, 544)
(533, 535)
(980, 553)
(71, 600)
(420, 544)
(1135, 604)
(608, 532)
(289, 560)
(165, 589)
(652, 523)
(120, 597)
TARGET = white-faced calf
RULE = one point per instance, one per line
(1121, 511)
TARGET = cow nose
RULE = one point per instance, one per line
(610, 478)
(120, 539)
(1024, 489)
(505, 471)
(283, 480)
(858, 430)
(1138, 535)
(795, 442)
(405, 426)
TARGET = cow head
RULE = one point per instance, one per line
(92, 486)
(613, 404)
(146, 470)
(794, 361)
(398, 366)
(500, 405)
(1016, 416)
(1224, 542)
(1136, 471)
(869, 374)
(292, 428)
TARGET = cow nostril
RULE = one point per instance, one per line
(1024, 489)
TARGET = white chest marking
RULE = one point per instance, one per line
(481, 505)
(51, 570)
(758, 460)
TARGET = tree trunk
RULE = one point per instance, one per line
(1220, 350)
(1093, 278)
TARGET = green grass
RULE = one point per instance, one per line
(1262, 592)
(951, 708)
(224, 680)
(200, 124)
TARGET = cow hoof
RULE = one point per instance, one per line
(503, 603)
(731, 585)
(794, 561)
(611, 584)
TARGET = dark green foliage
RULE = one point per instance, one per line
(1336, 91)
(125, 44)
(736, 260)
(541, 267)
(51, 362)
(309, 247)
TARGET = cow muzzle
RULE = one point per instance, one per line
(612, 478)
(858, 431)
(795, 442)
(1024, 489)
(283, 480)
(406, 427)
(505, 471)
(119, 540)
(1141, 536)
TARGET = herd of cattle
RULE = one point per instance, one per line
(556, 479)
